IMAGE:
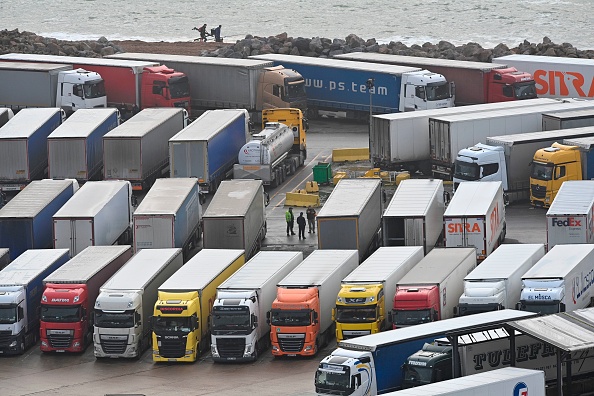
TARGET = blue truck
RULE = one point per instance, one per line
(26, 220)
(21, 288)
(23, 146)
(349, 89)
(208, 147)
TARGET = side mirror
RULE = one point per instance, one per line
(333, 314)
(435, 316)
(194, 322)
(254, 321)
(562, 307)
(390, 316)
(456, 310)
(315, 317)
(268, 318)
(365, 359)
(519, 306)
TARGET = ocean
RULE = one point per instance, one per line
(409, 21)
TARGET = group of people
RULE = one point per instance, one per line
(311, 221)
(215, 32)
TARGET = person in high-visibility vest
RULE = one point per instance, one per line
(290, 218)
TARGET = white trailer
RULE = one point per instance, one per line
(246, 297)
(567, 120)
(99, 214)
(414, 216)
(496, 283)
(475, 218)
(549, 287)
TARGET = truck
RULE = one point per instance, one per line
(20, 297)
(207, 148)
(567, 119)
(357, 89)
(475, 218)
(26, 220)
(99, 214)
(496, 283)
(431, 289)
(236, 217)
(277, 151)
(351, 217)
(240, 330)
(569, 218)
(69, 296)
(230, 83)
(169, 216)
(4, 258)
(549, 288)
(125, 304)
(301, 316)
(75, 148)
(137, 150)
(414, 216)
(475, 82)
(128, 85)
(366, 295)
(23, 146)
(182, 314)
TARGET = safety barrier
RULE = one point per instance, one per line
(350, 154)
(301, 198)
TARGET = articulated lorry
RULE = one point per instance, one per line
(357, 89)
(431, 289)
(475, 82)
(182, 314)
(137, 150)
(351, 217)
(365, 299)
(23, 146)
(69, 297)
(75, 148)
(414, 216)
(568, 119)
(496, 283)
(99, 214)
(301, 317)
(20, 297)
(26, 220)
(239, 327)
(207, 148)
(125, 304)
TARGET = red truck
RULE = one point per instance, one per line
(69, 297)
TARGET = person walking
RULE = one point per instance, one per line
(290, 221)
(203, 33)
(311, 219)
(301, 225)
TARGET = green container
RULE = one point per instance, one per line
(322, 173)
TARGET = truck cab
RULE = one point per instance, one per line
(480, 162)
(164, 87)
(346, 373)
(415, 305)
(280, 87)
(294, 119)
(80, 89)
(425, 90)
(13, 319)
(431, 364)
(544, 297)
(485, 297)
(359, 310)
(510, 84)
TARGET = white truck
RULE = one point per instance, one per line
(475, 218)
(99, 214)
(550, 288)
(414, 216)
(239, 329)
(124, 307)
(496, 283)
(567, 119)
(569, 218)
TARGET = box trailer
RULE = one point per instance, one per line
(567, 119)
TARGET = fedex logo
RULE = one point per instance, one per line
(521, 389)
(558, 83)
(570, 222)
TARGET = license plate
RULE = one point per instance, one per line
(172, 360)
(292, 354)
(231, 358)
(60, 350)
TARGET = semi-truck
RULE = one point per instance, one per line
(366, 295)
(236, 217)
(567, 119)
(169, 216)
(431, 289)
(230, 83)
(207, 148)
(137, 150)
(496, 283)
(23, 146)
(75, 148)
(239, 327)
(475, 82)
(182, 314)
(99, 214)
(50, 85)
(20, 297)
(549, 288)
(26, 220)
(125, 304)
(414, 216)
(351, 217)
(475, 218)
(357, 89)
(301, 316)
(69, 296)
(277, 151)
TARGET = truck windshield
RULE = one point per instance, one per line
(94, 89)
(333, 382)
(8, 314)
(541, 307)
(60, 313)
(231, 319)
(541, 171)
(438, 91)
(466, 170)
(114, 320)
(171, 325)
(525, 90)
(356, 314)
(289, 317)
(295, 91)
(416, 376)
(408, 318)
(179, 87)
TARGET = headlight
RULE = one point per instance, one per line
(76, 345)
(308, 348)
(13, 344)
(213, 351)
(339, 299)
(274, 348)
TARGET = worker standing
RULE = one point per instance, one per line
(311, 219)
(290, 218)
(217, 34)
(301, 225)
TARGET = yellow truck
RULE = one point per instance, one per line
(181, 329)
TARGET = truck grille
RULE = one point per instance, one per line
(291, 343)
(172, 348)
(538, 191)
(114, 346)
(5, 336)
(60, 341)
(231, 347)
